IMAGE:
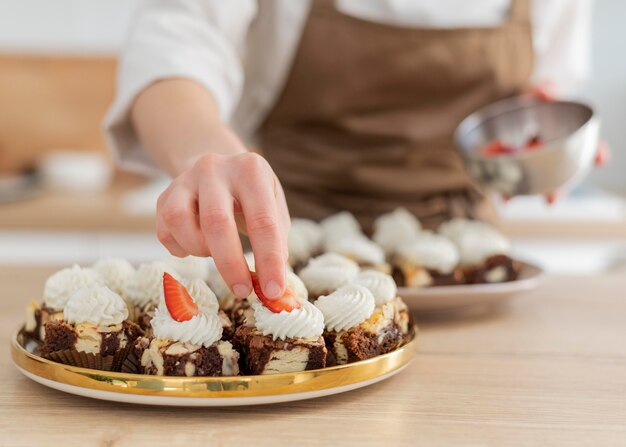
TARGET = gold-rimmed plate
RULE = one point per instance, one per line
(446, 298)
(207, 391)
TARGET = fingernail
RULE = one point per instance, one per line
(241, 290)
(272, 289)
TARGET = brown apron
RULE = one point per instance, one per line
(366, 118)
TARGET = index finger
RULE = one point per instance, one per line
(257, 198)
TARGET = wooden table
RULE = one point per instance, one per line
(549, 369)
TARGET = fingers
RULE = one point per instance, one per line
(555, 196)
(265, 222)
(544, 91)
(220, 231)
(178, 215)
(603, 155)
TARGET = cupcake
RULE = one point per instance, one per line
(326, 273)
(186, 336)
(115, 272)
(428, 260)
(484, 252)
(94, 332)
(394, 229)
(57, 291)
(144, 291)
(390, 309)
(304, 242)
(281, 335)
(355, 328)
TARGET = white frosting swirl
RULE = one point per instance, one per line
(356, 247)
(61, 285)
(305, 238)
(347, 307)
(328, 272)
(382, 286)
(477, 244)
(98, 305)
(203, 329)
(475, 240)
(249, 256)
(430, 251)
(340, 225)
(395, 228)
(305, 322)
(116, 273)
(202, 295)
(146, 285)
(189, 267)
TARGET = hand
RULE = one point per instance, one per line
(201, 211)
(546, 92)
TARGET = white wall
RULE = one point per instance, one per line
(64, 26)
(607, 87)
(99, 26)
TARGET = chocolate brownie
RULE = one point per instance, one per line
(59, 336)
(361, 344)
(507, 267)
(258, 350)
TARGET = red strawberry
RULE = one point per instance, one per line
(534, 143)
(495, 148)
(179, 303)
(287, 302)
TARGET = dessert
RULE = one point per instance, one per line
(428, 260)
(190, 267)
(360, 249)
(395, 228)
(483, 251)
(355, 329)
(326, 273)
(304, 242)
(94, 332)
(144, 291)
(115, 273)
(207, 300)
(339, 225)
(186, 336)
(281, 335)
(57, 291)
(392, 309)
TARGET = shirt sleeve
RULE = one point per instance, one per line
(202, 40)
(562, 43)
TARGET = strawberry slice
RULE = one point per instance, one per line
(534, 143)
(179, 303)
(495, 148)
(287, 302)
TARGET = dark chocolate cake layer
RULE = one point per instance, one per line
(256, 350)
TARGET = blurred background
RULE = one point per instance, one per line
(62, 201)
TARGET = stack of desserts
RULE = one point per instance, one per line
(461, 251)
(178, 318)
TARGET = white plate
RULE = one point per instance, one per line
(207, 391)
(441, 298)
(173, 401)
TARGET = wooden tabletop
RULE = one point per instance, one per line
(549, 369)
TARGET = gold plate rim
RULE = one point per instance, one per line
(214, 387)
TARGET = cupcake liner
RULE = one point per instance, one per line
(131, 364)
(81, 359)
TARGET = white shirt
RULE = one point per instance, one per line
(241, 50)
